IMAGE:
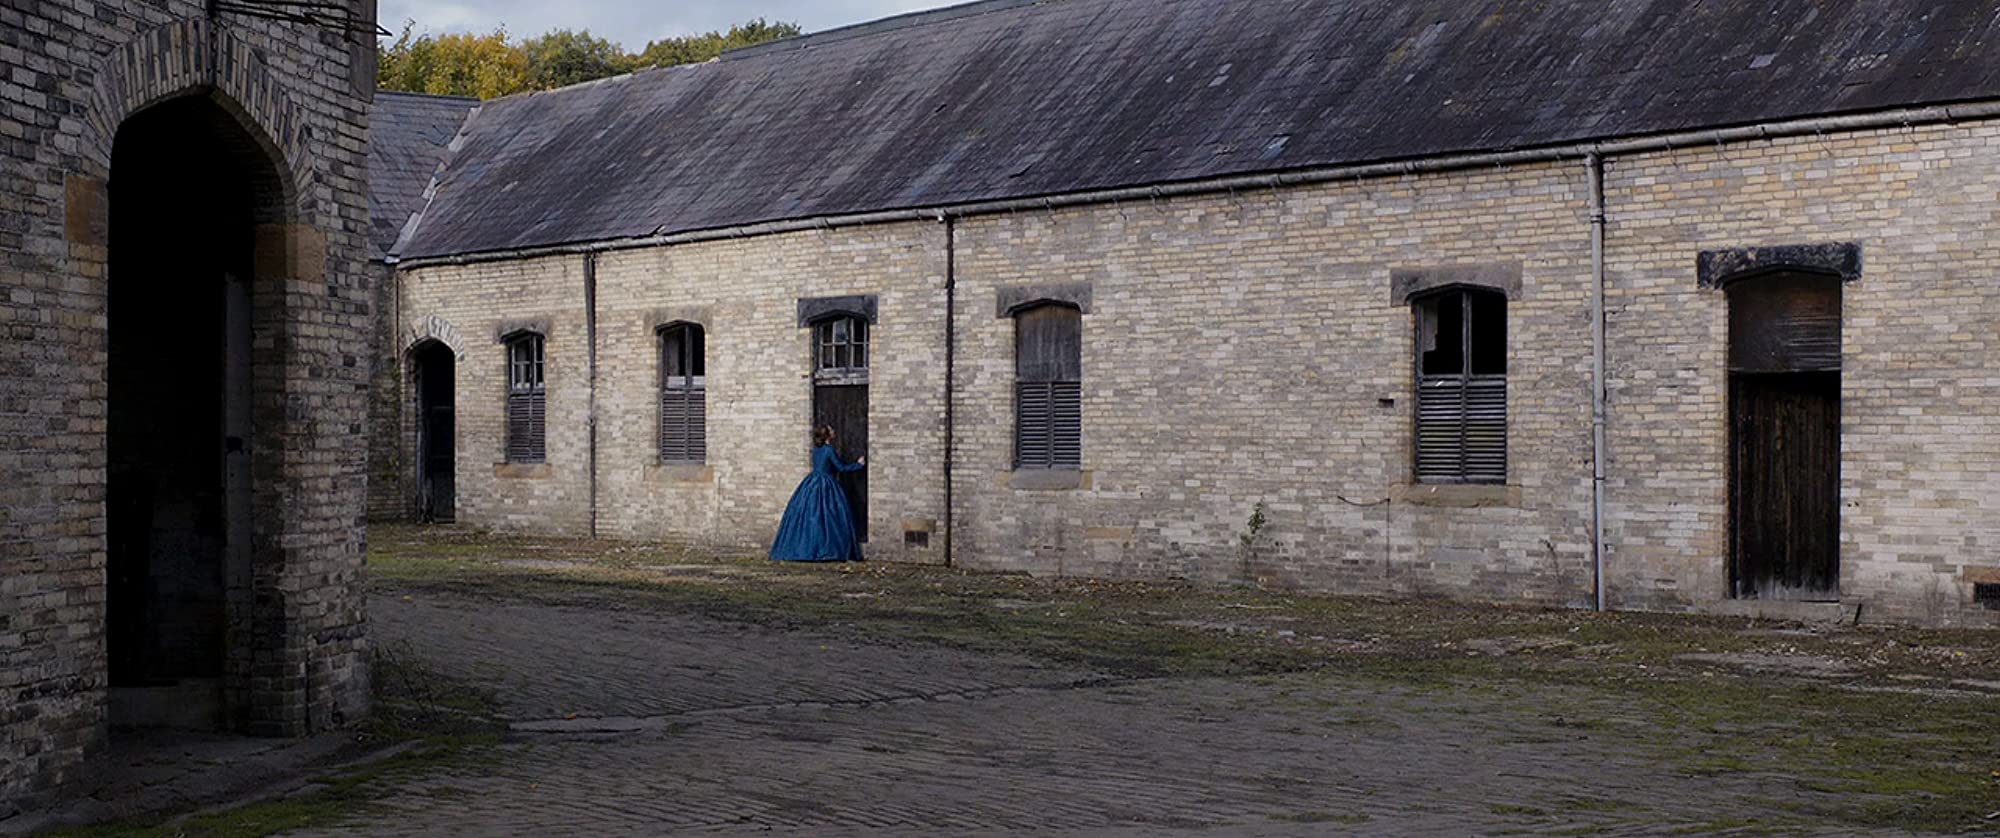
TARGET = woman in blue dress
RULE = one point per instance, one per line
(819, 524)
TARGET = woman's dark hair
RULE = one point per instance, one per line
(823, 435)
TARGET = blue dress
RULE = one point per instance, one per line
(819, 524)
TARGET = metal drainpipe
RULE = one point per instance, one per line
(1597, 387)
(950, 367)
(590, 341)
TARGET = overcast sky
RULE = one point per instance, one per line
(633, 22)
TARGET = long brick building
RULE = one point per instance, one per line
(1645, 305)
(183, 356)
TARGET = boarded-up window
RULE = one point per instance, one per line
(1462, 387)
(1785, 323)
(527, 401)
(1048, 394)
(683, 394)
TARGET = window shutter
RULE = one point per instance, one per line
(1440, 417)
(1066, 424)
(1034, 425)
(1485, 457)
(527, 405)
(527, 426)
(1461, 388)
(1048, 403)
(684, 424)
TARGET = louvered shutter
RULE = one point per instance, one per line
(1048, 395)
(1462, 429)
(1034, 425)
(527, 426)
(1066, 424)
(527, 401)
(1485, 459)
(683, 394)
(1461, 433)
(683, 424)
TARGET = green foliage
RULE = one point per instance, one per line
(564, 57)
(693, 49)
(491, 65)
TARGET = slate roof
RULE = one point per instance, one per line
(1015, 99)
(407, 137)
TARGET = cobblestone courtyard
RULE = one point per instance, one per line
(599, 689)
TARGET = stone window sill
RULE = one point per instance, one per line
(523, 471)
(1048, 480)
(680, 473)
(1457, 495)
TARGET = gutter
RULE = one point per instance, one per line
(590, 340)
(1905, 117)
(1598, 387)
(950, 369)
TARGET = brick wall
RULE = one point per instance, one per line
(1921, 334)
(1245, 350)
(1249, 349)
(745, 294)
(759, 393)
(476, 306)
(70, 73)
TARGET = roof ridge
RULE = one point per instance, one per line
(891, 23)
(383, 91)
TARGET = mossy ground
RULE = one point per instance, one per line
(1889, 727)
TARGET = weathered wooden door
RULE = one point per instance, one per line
(1784, 407)
(436, 434)
(840, 401)
(1786, 507)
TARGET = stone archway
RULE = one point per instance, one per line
(197, 181)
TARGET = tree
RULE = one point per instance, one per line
(563, 57)
(490, 66)
(693, 49)
(460, 64)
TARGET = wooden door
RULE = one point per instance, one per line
(1785, 504)
(844, 408)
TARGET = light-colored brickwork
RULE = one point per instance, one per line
(759, 389)
(478, 305)
(745, 295)
(71, 74)
(1249, 349)
(1921, 336)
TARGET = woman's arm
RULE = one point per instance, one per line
(857, 465)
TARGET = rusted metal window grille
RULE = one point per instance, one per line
(683, 394)
(1462, 387)
(1048, 388)
(527, 401)
(842, 344)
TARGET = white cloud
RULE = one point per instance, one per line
(634, 22)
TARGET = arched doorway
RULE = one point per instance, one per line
(1784, 404)
(187, 410)
(433, 377)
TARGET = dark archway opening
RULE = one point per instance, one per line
(433, 368)
(188, 187)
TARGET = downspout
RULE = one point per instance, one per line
(950, 367)
(1595, 162)
(590, 341)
